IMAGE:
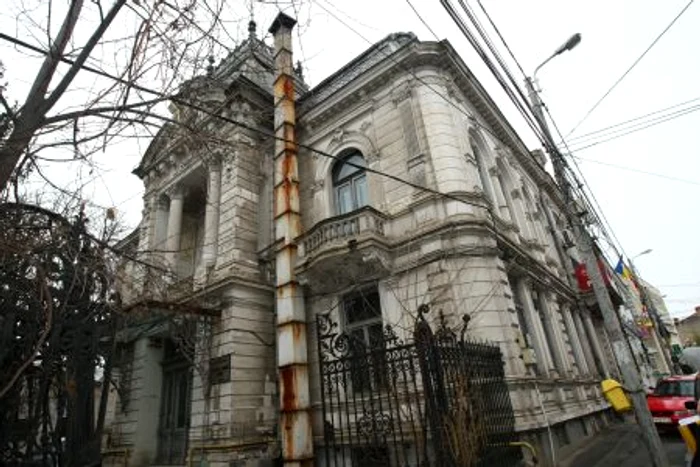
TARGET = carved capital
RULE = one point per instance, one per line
(161, 202)
(176, 191)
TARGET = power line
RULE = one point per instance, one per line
(421, 19)
(597, 211)
(500, 36)
(654, 122)
(181, 101)
(523, 110)
(645, 172)
(601, 130)
(634, 64)
(512, 55)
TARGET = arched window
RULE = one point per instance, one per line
(484, 177)
(350, 183)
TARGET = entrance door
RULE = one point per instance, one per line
(175, 407)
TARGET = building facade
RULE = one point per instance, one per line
(689, 329)
(417, 192)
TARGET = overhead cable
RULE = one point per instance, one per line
(634, 64)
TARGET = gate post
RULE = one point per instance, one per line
(430, 363)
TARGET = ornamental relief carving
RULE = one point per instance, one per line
(469, 157)
(318, 185)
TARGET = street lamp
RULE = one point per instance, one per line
(531, 85)
(568, 45)
(645, 252)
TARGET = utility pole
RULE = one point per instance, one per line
(631, 378)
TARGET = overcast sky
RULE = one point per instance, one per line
(646, 211)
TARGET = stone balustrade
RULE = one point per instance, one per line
(343, 228)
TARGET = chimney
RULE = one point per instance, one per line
(292, 358)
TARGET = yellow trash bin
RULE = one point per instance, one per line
(615, 394)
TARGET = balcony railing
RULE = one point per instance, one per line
(346, 227)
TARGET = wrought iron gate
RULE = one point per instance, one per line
(438, 400)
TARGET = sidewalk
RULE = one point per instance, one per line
(622, 446)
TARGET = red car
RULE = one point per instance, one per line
(667, 402)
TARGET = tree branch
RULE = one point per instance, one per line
(83, 56)
(101, 110)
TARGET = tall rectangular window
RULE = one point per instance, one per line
(363, 324)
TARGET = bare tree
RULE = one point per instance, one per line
(97, 59)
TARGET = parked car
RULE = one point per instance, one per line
(667, 401)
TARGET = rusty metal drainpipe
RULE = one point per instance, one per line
(295, 402)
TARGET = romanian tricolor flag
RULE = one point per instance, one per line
(623, 270)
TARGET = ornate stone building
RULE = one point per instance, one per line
(495, 248)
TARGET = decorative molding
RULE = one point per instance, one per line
(416, 168)
(469, 157)
(402, 92)
(318, 185)
(355, 69)
(338, 137)
(372, 157)
(176, 190)
(453, 92)
(366, 125)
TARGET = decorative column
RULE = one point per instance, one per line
(551, 322)
(585, 341)
(172, 242)
(535, 323)
(597, 349)
(211, 215)
(574, 340)
(160, 229)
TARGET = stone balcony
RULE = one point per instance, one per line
(346, 248)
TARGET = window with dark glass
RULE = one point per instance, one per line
(676, 388)
(350, 183)
(363, 323)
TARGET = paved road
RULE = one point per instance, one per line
(622, 446)
(675, 449)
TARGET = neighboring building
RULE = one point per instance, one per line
(374, 249)
(689, 329)
(656, 299)
(642, 332)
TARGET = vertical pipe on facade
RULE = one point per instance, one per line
(295, 414)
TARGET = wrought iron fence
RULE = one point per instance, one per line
(438, 400)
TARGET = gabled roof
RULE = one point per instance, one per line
(252, 58)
